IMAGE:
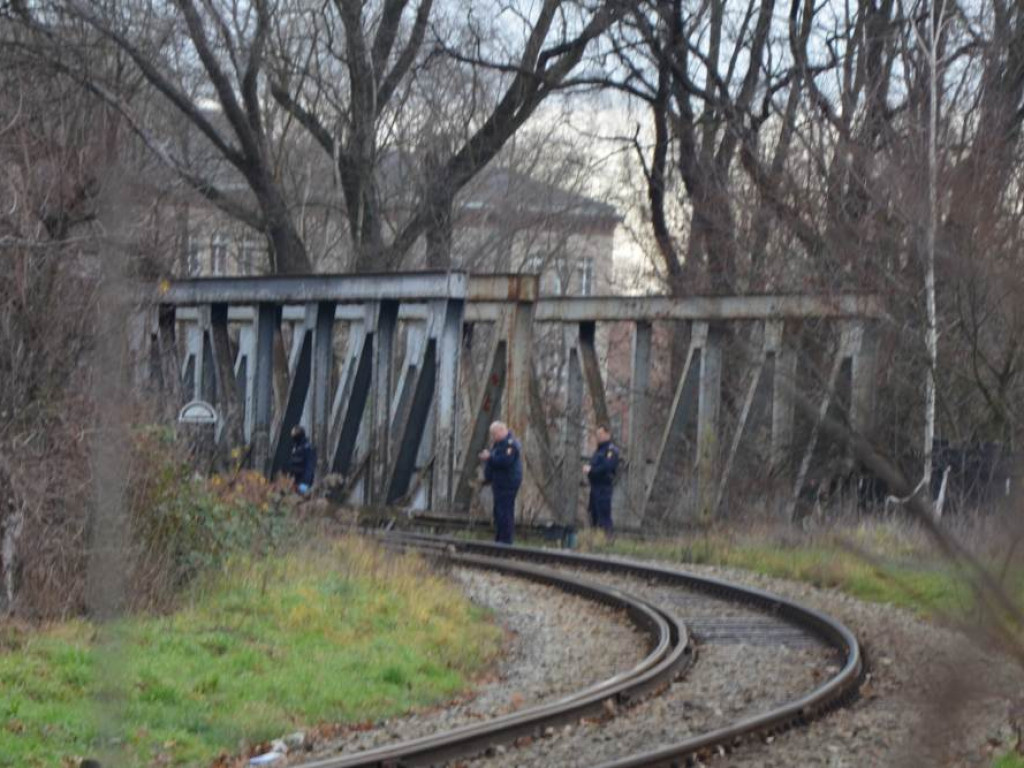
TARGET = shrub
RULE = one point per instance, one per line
(184, 523)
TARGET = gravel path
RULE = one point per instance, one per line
(558, 643)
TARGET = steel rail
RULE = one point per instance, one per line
(833, 693)
(670, 654)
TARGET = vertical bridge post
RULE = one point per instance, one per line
(323, 368)
(783, 389)
(573, 434)
(380, 409)
(636, 478)
(268, 323)
(518, 325)
(446, 430)
(708, 433)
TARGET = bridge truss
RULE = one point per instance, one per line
(380, 368)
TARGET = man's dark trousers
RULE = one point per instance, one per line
(601, 507)
(504, 471)
(504, 516)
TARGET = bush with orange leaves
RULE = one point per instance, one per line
(184, 523)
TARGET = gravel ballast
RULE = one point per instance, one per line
(735, 676)
(931, 698)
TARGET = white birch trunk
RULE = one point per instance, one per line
(931, 330)
(931, 50)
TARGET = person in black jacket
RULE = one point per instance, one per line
(503, 469)
(601, 474)
(302, 464)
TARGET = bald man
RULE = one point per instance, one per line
(601, 474)
(503, 469)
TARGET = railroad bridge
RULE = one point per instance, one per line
(397, 377)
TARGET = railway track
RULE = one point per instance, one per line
(672, 608)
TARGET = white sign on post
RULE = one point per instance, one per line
(198, 412)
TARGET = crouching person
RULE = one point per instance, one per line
(302, 464)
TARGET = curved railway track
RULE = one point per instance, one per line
(670, 607)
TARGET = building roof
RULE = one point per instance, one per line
(495, 191)
(501, 188)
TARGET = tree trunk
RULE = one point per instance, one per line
(931, 329)
(287, 252)
(439, 238)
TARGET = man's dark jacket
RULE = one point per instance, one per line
(302, 464)
(603, 465)
(504, 468)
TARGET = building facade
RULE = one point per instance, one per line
(504, 222)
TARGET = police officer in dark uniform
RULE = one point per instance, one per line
(302, 462)
(601, 474)
(503, 469)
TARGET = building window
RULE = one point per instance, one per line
(192, 264)
(557, 283)
(533, 265)
(219, 253)
(249, 257)
(587, 277)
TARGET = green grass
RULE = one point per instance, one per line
(894, 573)
(259, 651)
(1009, 760)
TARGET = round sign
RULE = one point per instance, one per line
(198, 412)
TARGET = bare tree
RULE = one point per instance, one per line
(872, 155)
(344, 72)
(54, 145)
(185, 53)
(357, 99)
